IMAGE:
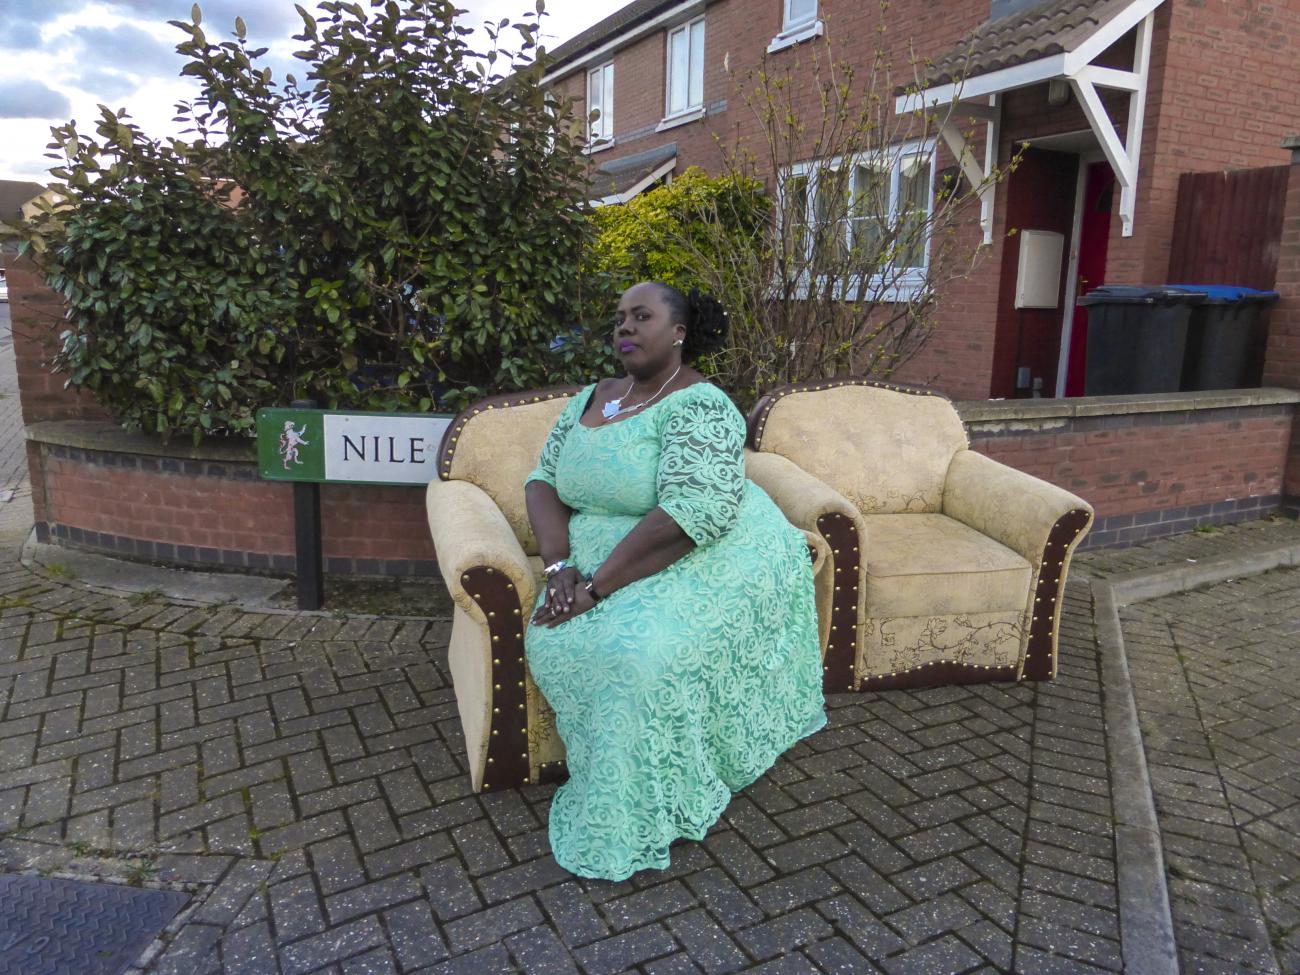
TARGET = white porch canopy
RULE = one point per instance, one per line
(1077, 43)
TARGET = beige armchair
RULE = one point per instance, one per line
(948, 566)
(489, 561)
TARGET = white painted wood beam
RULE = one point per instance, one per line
(1111, 78)
(1124, 155)
(993, 83)
(984, 111)
(1137, 107)
(1104, 129)
(977, 175)
(1108, 34)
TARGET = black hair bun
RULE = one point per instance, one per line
(706, 324)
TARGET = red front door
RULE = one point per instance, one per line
(1027, 343)
(1094, 238)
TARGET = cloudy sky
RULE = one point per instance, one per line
(59, 59)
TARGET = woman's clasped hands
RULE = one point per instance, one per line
(564, 599)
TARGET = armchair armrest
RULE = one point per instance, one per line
(801, 497)
(488, 576)
(1017, 509)
(818, 509)
(470, 532)
(1040, 521)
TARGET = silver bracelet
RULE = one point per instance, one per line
(556, 567)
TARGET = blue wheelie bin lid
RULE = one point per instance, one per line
(1140, 294)
(1227, 294)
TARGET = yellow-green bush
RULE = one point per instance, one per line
(672, 233)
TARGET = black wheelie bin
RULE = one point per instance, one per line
(1137, 338)
(1226, 337)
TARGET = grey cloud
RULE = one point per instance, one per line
(126, 48)
(265, 18)
(24, 18)
(105, 84)
(26, 98)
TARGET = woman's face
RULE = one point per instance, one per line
(644, 332)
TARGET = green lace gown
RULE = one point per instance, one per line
(683, 687)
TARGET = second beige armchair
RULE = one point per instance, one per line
(948, 566)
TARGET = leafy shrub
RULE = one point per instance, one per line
(402, 229)
(670, 233)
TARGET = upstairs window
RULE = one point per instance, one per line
(799, 13)
(600, 99)
(685, 87)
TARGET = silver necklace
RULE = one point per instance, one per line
(616, 408)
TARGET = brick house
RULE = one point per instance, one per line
(1116, 99)
(1190, 86)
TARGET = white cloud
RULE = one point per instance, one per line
(122, 53)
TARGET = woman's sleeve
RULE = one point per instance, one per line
(545, 469)
(701, 476)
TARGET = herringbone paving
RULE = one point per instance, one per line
(304, 775)
(1217, 681)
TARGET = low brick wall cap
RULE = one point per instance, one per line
(109, 437)
(977, 411)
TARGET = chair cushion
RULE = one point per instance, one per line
(886, 451)
(931, 565)
(498, 446)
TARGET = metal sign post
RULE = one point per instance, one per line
(308, 556)
(310, 447)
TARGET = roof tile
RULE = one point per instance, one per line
(625, 17)
(1051, 27)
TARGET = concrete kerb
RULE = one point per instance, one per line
(123, 579)
(1146, 923)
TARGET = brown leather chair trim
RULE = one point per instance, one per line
(507, 756)
(757, 418)
(557, 772)
(937, 675)
(1040, 649)
(846, 561)
(450, 436)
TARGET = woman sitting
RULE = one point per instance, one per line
(676, 638)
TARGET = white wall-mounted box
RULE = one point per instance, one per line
(1038, 278)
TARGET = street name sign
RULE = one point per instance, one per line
(328, 446)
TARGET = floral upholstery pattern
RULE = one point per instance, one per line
(962, 559)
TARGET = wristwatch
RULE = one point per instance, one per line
(556, 567)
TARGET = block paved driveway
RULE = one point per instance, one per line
(1217, 682)
(303, 777)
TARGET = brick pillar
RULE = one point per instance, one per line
(1282, 359)
(37, 315)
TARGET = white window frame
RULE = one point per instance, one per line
(907, 282)
(693, 107)
(600, 134)
(794, 32)
(789, 25)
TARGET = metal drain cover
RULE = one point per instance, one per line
(71, 927)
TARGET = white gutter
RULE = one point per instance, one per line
(684, 9)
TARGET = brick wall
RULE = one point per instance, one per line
(1151, 474)
(1282, 360)
(36, 314)
(218, 513)
(1225, 87)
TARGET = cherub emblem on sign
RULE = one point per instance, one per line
(290, 441)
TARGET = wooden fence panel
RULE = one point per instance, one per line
(1228, 227)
